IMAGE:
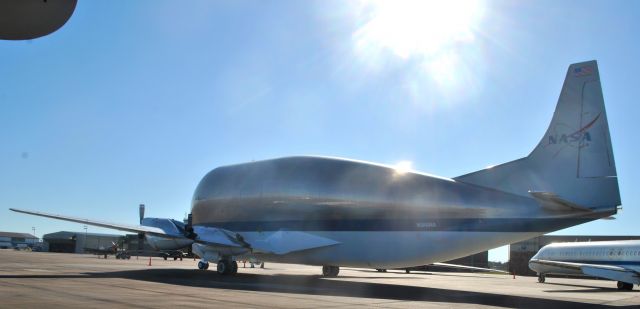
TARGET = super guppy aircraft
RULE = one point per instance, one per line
(336, 212)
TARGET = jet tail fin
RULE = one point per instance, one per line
(574, 159)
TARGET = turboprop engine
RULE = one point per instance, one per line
(172, 227)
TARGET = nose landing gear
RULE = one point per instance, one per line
(203, 265)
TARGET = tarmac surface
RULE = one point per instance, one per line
(40, 280)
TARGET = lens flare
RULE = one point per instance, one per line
(403, 167)
(436, 34)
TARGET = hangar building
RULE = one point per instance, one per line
(521, 252)
(10, 240)
(76, 242)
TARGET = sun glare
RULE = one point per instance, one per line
(410, 27)
(403, 167)
(434, 33)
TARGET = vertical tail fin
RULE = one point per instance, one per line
(574, 159)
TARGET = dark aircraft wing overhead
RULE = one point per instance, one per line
(30, 19)
(122, 227)
(611, 272)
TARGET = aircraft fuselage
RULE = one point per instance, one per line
(381, 217)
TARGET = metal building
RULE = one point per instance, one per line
(10, 240)
(77, 242)
(521, 252)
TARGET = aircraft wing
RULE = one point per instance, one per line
(469, 267)
(122, 227)
(281, 242)
(611, 272)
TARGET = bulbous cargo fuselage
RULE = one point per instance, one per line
(380, 216)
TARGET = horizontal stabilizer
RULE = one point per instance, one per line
(553, 202)
(283, 242)
(116, 226)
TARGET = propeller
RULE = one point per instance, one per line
(189, 233)
(188, 228)
(141, 212)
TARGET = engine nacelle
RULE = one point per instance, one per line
(171, 227)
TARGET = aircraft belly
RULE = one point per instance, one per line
(549, 269)
(392, 249)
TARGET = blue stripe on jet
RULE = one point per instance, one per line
(464, 225)
(615, 263)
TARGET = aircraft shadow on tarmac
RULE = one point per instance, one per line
(427, 273)
(586, 288)
(317, 285)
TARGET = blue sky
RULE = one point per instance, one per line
(133, 102)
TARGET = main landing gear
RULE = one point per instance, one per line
(226, 267)
(330, 271)
(540, 278)
(623, 286)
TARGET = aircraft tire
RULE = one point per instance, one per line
(407, 271)
(234, 267)
(541, 278)
(330, 271)
(203, 265)
(623, 286)
(224, 267)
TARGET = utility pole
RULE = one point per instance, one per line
(85, 239)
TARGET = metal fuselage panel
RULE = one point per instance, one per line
(345, 198)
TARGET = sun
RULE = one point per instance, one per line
(403, 167)
(417, 27)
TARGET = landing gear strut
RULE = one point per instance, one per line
(226, 267)
(623, 286)
(541, 278)
(203, 265)
(330, 271)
